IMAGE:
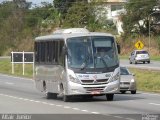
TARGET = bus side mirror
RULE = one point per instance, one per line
(119, 48)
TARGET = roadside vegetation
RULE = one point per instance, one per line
(20, 24)
(6, 68)
(147, 80)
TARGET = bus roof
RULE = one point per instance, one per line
(69, 33)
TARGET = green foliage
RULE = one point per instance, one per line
(147, 80)
(82, 15)
(138, 10)
(18, 26)
(158, 42)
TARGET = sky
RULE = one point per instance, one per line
(33, 1)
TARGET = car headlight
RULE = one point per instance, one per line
(132, 80)
(74, 79)
(115, 77)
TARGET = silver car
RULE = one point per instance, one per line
(139, 56)
(127, 83)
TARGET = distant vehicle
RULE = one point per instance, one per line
(139, 56)
(127, 82)
(74, 62)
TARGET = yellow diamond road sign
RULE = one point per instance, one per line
(139, 45)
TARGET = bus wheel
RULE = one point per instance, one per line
(51, 95)
(54, 95)
(48, 95)
(109, 97)
(65, 98)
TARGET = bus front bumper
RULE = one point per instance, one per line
(79, 89)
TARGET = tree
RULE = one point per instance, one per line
(80, 15)
(137, 17)
(63, 5)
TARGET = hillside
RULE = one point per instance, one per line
(19, 26)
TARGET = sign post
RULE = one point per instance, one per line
(22, 58)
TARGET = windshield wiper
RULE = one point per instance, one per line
(84, 64)
(104, 62)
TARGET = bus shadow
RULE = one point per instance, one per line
(117, 97)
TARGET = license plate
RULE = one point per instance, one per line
(143, 56)
(95, 92)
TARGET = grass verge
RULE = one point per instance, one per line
(6, 68)
(147, 80)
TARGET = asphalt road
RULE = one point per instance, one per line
(19, 96)
(154, 65)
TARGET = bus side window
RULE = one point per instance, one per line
(61, 55)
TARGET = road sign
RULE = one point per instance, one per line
(139, 45)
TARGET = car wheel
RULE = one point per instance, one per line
(148, 62)
(143, 62)
(54, 95)
(135, 62)
(109, 97)
(48, 95)
(133, 92)
(130, 62)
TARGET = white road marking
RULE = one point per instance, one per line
(9, 83)
(84, 110)
(129, 119)
(59, 105)
(75, 108)
(157, 104)
(151, 94)
(46, 103)
(95, 112)
(66, 107)
(118, 117)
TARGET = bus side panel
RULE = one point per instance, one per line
(39, 85)
(46, 78)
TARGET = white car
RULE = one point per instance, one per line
(139, 56)
(127, 82)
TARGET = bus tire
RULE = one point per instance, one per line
(109, 97)
(48, 95)
(54, 95)
(65, 98)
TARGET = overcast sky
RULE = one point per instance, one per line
(33, 1)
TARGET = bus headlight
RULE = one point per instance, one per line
(115, 77)
(132, 80)
(73, 79)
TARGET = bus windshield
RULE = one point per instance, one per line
(92, 52)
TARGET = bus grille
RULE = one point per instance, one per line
(94, 82)
(90, 89)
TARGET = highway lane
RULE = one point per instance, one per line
(18, 95)
(154, 65)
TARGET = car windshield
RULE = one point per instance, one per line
(92, 52)
(141, 52)
(124, 71)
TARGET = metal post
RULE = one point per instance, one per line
(149, 35)
(23, 63)
(12, 63)
(33, 65)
